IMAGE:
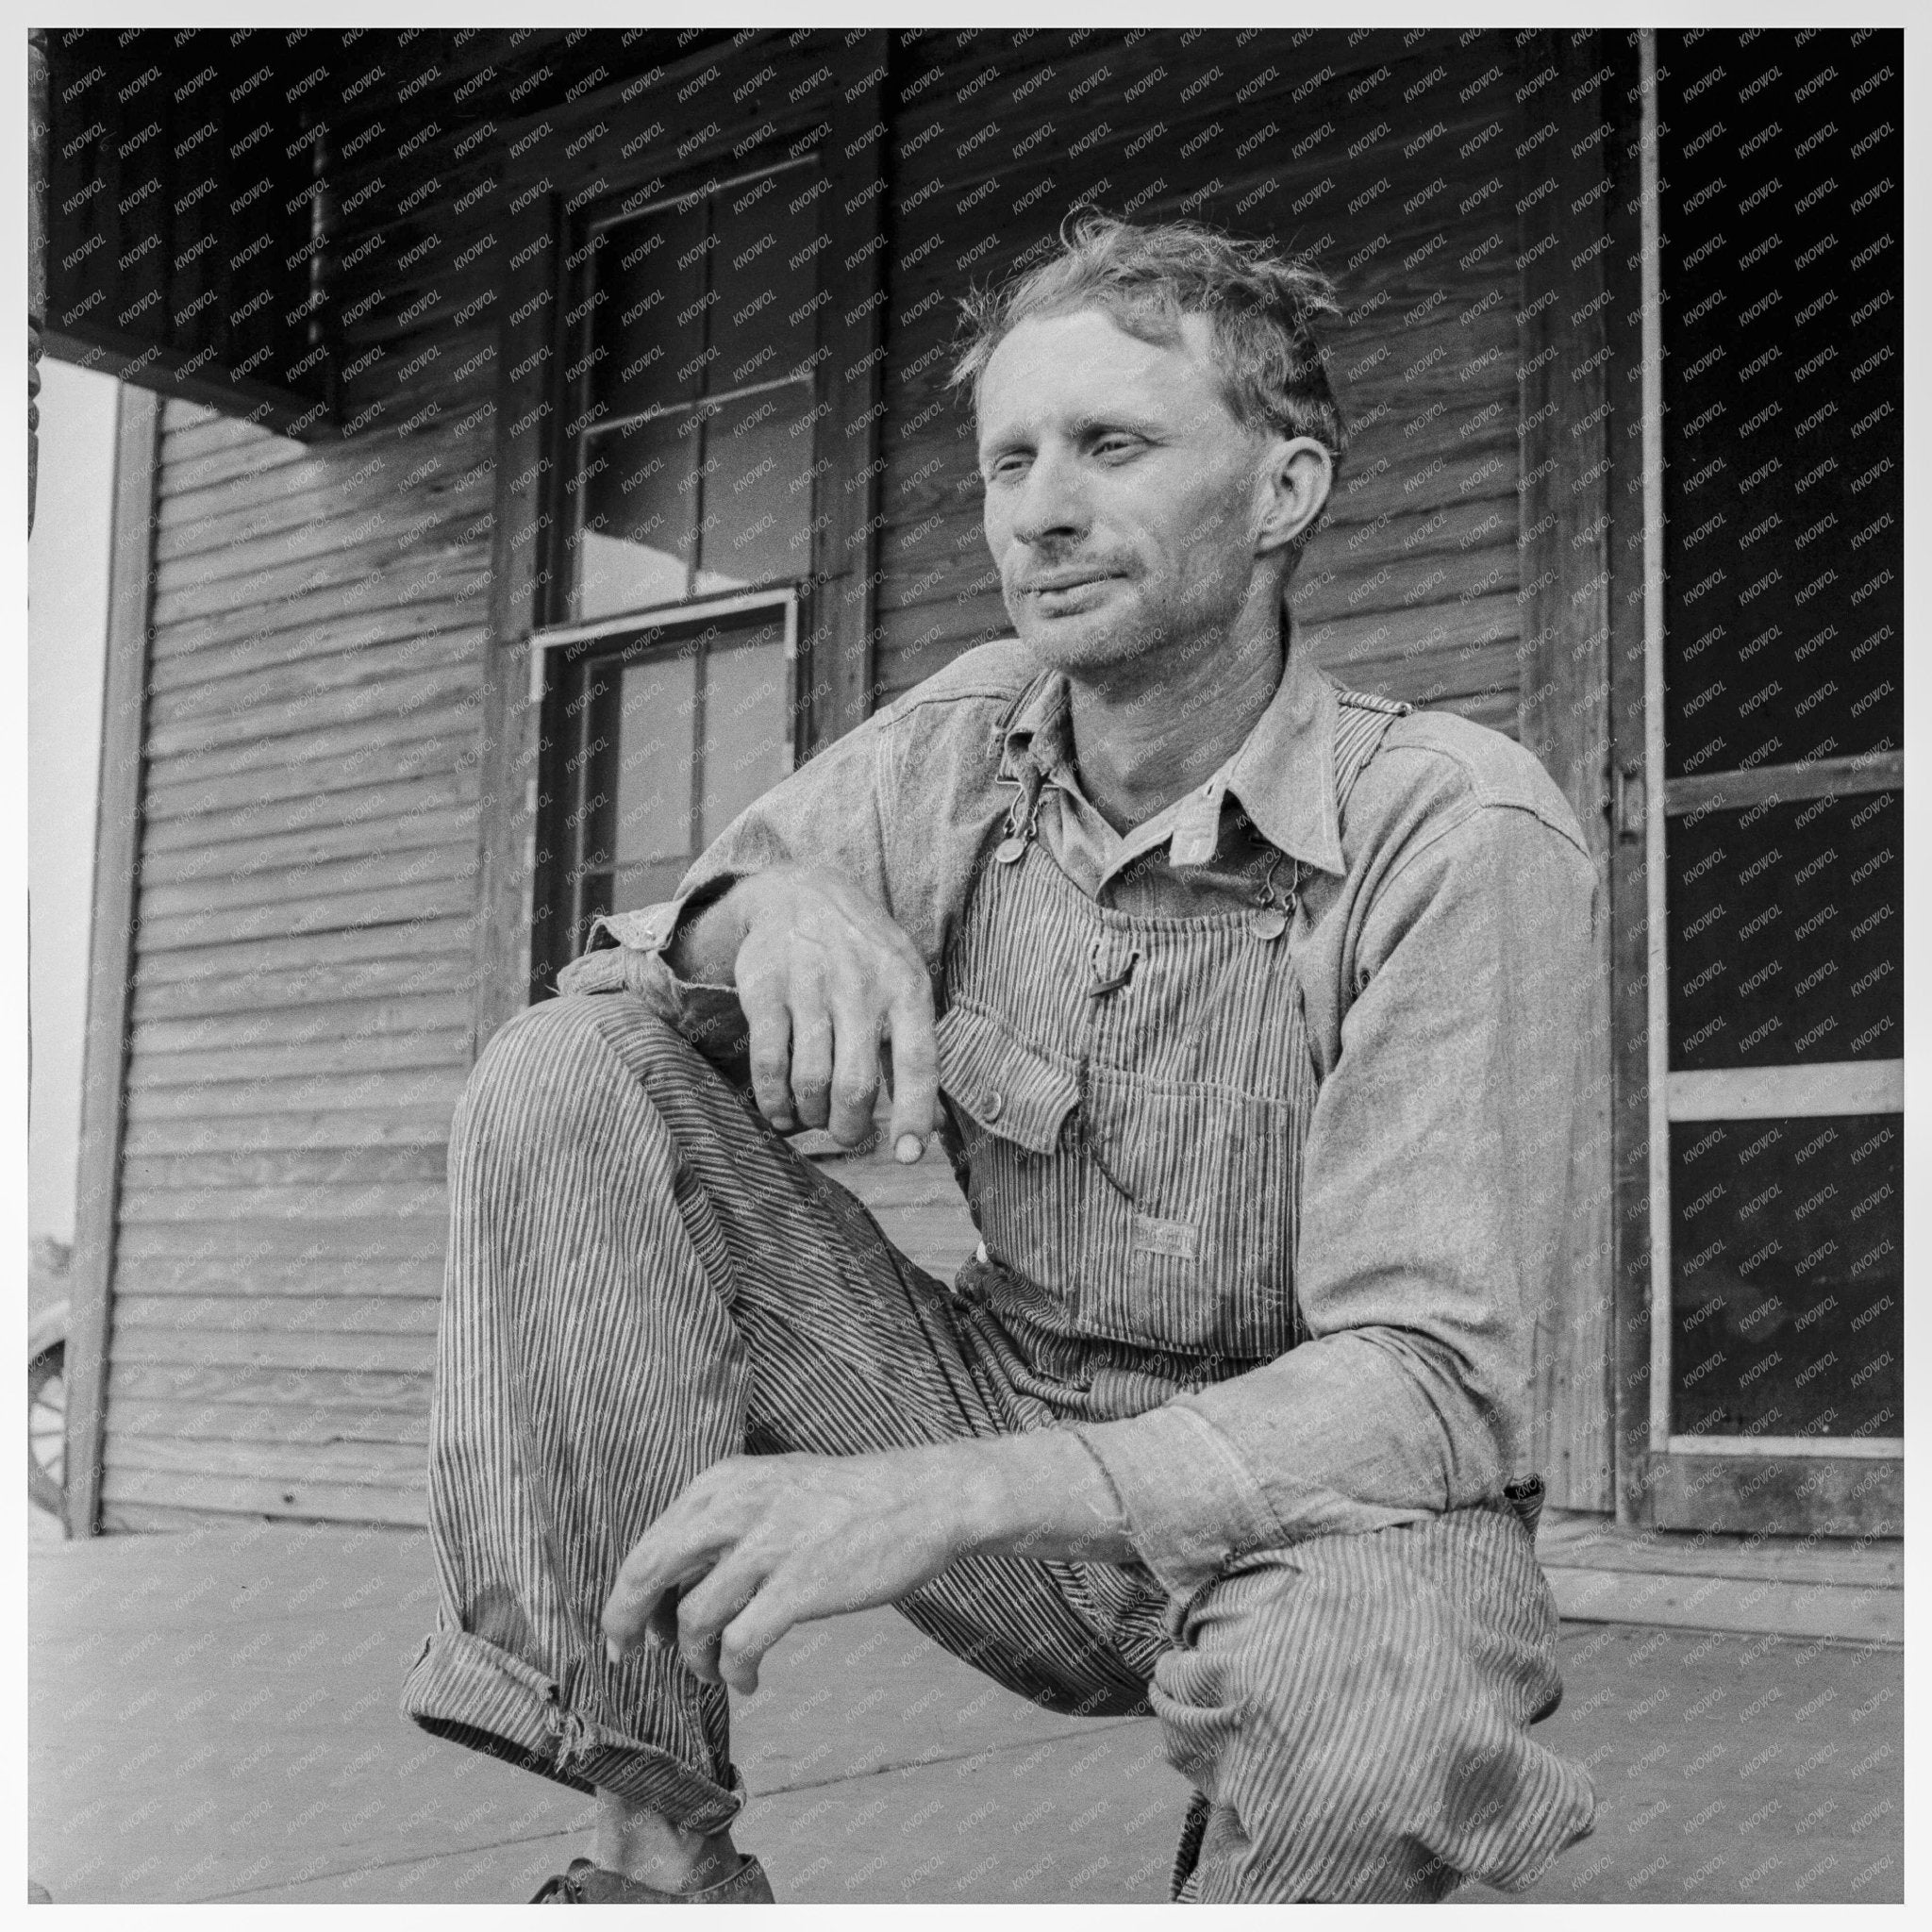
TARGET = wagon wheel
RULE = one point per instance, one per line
(47, 1413)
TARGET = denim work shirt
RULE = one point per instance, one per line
(1443, 949)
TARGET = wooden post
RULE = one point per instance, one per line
(519, 599)
(840, 663)
(36, 246)
(1629, 883)
(1565, 388)
(111, 956)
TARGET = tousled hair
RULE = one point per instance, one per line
(1260, 304)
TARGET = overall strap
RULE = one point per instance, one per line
(1360, 722)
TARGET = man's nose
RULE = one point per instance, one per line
(1052, 504)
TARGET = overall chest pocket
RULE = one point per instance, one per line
(1148, 1212)
(1207, 1175)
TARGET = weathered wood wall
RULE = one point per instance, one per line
(300, 1019)
(307, 918)
(308, 934)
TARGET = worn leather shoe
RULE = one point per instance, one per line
(586, 1884)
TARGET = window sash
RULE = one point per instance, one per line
(554, 681)
(580, 437)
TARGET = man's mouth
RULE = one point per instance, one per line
(1063, 580)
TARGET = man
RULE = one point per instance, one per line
(1257, 1012)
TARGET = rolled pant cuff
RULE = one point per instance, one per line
(467, 1690)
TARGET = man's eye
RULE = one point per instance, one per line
(1116, 446)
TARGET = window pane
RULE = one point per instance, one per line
(1785, 938)
(1783, 390)
(647, 326)
(640, 512)
(595, 901)
(763, 271)
(756, 523)
(747, 725)
(1787, 1259)
(653, 764)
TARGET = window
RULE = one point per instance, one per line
(690, 470)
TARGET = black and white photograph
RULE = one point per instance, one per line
(966, 965)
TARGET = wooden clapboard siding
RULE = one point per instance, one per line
(303, 1024)
(290, 971)
(347, 1053)
(142, 1499)
(397, 1464)
(417, 1239)
(249, 1170)
(407, 824)
(304, 791)
(303, 1396)
(306, 1212)
(234, 1273)
(273, 1348)
(358, 1314)
(199, 695)
(313, 814)
(279, 1422)
(391, 1124)
(295, 1096)
(300, 1020)
(222, 519)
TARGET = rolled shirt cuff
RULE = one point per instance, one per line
(1190, 1502)
(633, 962)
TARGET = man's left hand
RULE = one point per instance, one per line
(757, 1544)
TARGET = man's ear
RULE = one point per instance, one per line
(1300, 473)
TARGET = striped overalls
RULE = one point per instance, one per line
(644, 1278)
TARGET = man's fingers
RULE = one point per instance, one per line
(855, 1073)
(644, 1600)
(709, 1607)
(660, 1625)
(915, 1071)
(678, 1549)
(768, 1030)
(755, 1628)
(811, 1050)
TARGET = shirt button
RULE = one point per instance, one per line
(995, 1106)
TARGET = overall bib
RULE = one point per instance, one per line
(1131, 1097)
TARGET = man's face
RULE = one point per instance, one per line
(1123, 497)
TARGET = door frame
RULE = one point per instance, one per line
(1782, 1486)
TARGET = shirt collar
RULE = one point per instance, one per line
(1283, 774)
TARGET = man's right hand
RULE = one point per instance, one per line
(833, 993)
